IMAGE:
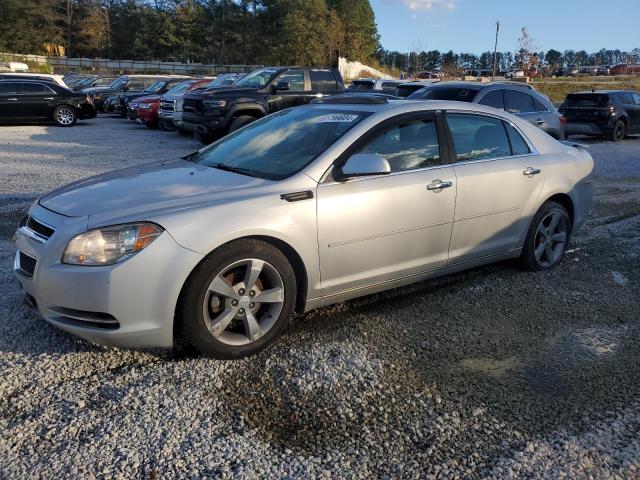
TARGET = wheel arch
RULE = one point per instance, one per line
(566, 201)
(300, 271)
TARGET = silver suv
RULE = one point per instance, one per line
(306, 207)
(514, 97)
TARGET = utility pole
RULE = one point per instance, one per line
(495, 51)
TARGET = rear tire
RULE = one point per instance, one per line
(547, 238)
(618, 132)
(220, 313)
(65, 116)
(240, 122)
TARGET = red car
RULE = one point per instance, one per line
(145, 110)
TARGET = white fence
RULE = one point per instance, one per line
(105, 65)
(349, 70)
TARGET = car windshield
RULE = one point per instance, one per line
(103, 82)
(461, 94)
(222, 80)
(181, 87)
(155, 86)
(281, 144)
(118, 83)
(257, 78)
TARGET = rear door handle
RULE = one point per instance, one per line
(530, 171)
(539, 122)
(48, 98)
(438, 185)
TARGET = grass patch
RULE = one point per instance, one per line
(557, 89)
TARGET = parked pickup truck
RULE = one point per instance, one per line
(212, 113)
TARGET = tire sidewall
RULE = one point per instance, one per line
(193, 328)
(528, 252)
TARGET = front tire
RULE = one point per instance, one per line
(238, 300)
(65, 116)
(618, 132)
(547, 238)
(240, 122)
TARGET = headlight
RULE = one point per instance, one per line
(109, 245)
(144, 106)
(214, 103)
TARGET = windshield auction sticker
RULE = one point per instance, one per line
(336, 117)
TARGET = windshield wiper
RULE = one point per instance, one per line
(229, 168)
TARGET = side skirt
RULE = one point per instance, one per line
(350, 294)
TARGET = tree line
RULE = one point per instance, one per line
(302, 32)
(452, 63)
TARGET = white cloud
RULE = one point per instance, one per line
(428, 5)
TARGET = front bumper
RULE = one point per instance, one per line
(203, 123)
(171, 118)
(130, 304)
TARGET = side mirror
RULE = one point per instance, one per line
(283, 85)
(363, 165)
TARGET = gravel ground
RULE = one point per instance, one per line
(492, 373)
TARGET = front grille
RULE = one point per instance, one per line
(82, 318)
(35, 229)
(192, 105)
(39, 227)
(27, 265)
(167, 105)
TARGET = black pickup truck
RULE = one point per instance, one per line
(610, 113)
(214, 112)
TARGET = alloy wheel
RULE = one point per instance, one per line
(550, 239)
(243, 302)
(65, 116)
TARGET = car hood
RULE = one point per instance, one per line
(226, 91)
(148, 189)
(148, 99)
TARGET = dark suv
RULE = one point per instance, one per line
(611, 113)
(214, 112)
(514, 97)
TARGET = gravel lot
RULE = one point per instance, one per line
(489, 373)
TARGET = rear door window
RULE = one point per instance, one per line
(540, 107)
(478, 137)
(493, 99)
(519, 102)
(35, 89)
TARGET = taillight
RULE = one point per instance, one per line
(563, 120)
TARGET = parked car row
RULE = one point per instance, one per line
(210, 108)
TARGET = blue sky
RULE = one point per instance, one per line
(469, 25)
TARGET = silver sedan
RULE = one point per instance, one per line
(307, 207)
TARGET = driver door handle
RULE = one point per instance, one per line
(438, 185)
(12, 99)
(530, 171)
(539, 122)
